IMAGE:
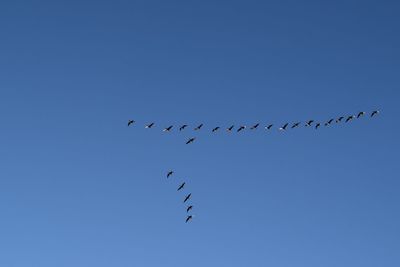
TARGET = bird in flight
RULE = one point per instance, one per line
(182, 127)
(339, 119)
(317, 125)
(283, 128)
(130, 122)
(198, 127)
(308, 123)
(241, 128)
(168, 129)
(189, 218)
(170, 173)
(269, 126)
(187, 198)
(296, 125)
(329, 122)
(191, 140)
(349, 118)
(148, 126)
(215, 129)
(189, 208)
(230, 128)
(360, 114)
(375, 112)
(181, 186)
(254, 126)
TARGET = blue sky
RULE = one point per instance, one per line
(79, 188)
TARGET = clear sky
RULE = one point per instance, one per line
(79, 188)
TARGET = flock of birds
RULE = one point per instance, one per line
(187, 197)
(310, 123)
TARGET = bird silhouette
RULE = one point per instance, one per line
(230, 128)
(168, 129)
(189, 208)
(269, 126)
(308, 123)
(191, 140)
(360, 114)
(215, 129)
(317, 125)
(148, 126)
(130, 122)
(181, 186)
(339, 119)
(182, 127)
(375, 112)
(296, 125)
(187, 198)
(349, 118)
(190, 217)
(198, 127)
(241, 128)
(329, 122)
(170, 173)
(283, 128)
(255, 126)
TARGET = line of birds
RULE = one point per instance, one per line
(185, 200)
(284, 127)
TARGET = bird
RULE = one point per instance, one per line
(215, 129)
(168, 129)
(339, 119)
(170, 173)
(361, 113)
(189, 208)
(182, 127)
(254, 126)
(296, 125)
(198, 127)
(241, 128)
(230, 128)
(181, 186)
(317, 125)
(308, 123)
(187, 198)
(349, 118)
(191, 140)
(375, 112)
(130, 122)
(148, 126)
(283, 128)
(189, 218)
(269, 126)
(329, 122)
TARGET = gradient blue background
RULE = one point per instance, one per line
(79, 188)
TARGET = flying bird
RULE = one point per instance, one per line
(241, 128)
(230, 128)
(198, 127)
(308, 123)
(329, 122)
(182, 127)
(283, 128)
(168, 129)
(187, 198)
(269, 126)
(349, 118)
(339, 119)
(296, 125)
(189, 208)
(361, 113)
(181, 186)
(170, 173)
(215, 129)
(148, 126)
(191, 140)
(130, 122)
(375, 112)
(254, 126)
(317, 125)
(189, 218)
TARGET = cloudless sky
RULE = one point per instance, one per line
(79, 188)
